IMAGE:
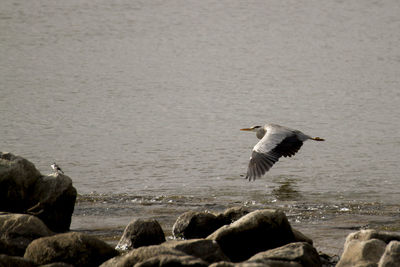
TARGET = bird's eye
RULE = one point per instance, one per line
(255, 127)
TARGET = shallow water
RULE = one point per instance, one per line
(141, 103)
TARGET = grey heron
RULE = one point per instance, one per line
(56, 168)
(276, 141)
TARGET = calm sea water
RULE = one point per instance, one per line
(141, 102)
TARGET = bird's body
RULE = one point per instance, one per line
(276, 141)
(56, 168)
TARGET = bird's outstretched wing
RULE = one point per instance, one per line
(268, 151)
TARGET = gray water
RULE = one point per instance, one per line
(141, 102)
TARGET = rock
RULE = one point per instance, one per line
(141, 254)
(11, 261)
(141, 233)
(364, 235)
(232, 214)
(266, 263)
(194, 224)
(74, 248)
(175, 261)
(18, 230)
(57, 264)
(207, 250)
(17, 176)
(257, 231)
(299, 252)
(55, 198)
(300, 237)
(391, 256)
(24, 190)
(360, 253)
(366, 247)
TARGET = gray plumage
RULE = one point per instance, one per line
(276, 141)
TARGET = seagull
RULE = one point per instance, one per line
(56, 168)
(276, 141)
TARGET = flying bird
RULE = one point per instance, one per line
(276, 141)
(56, 168)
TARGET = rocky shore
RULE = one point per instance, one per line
(36, 211)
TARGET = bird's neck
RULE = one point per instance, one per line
(260, 133)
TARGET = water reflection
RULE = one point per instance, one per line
(287, 190)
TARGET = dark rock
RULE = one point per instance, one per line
(266, 263)
(299, 252)
(172, 261)
(194, 224)
(12, 261)
(24, 190)
(257, 231)
(141, 254)
(141, 233)
(57, 264)
(55, 198)
(300, 237)
(74, 248)
(207, 250)
(18, 230)
(17, 176)
(232, 214)
(391, 256)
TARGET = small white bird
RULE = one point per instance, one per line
(276, 141)
(56, 168)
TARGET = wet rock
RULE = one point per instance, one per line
(169, 260)
(391, 256)
(255, 232)
(141, 254)
(54, 198)
(18, 230)
(194, 224)
(207, 250)
(57, 264)
(141, 233)
(11, 261)
(74, 248)
(17, 176)
(360, 253)
(299, 252)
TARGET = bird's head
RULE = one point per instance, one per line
(252, 129)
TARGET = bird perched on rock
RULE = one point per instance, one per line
(56, 168)
(276, 141)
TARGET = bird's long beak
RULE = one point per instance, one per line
(246, 129)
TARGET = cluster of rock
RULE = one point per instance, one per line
(37, 214)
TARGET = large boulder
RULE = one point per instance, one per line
(299, 252)
(255, 232)
(18, 230)
(193, 224)
(54, 198)
(24, 190)
(207, 250)
(141, 233)
(367, 248)
(141, 254)
(74, 248)
(17, 176)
